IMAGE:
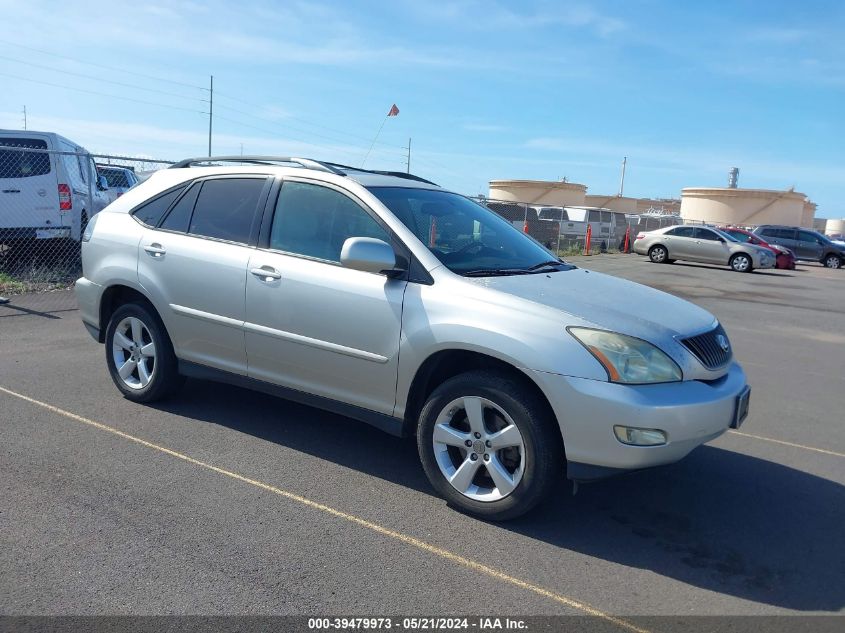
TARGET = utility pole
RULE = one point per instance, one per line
(24, 117)
(408, 163)
(210, 111)
(622, 182)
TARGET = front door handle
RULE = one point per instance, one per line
(266, 273)
(155, 250)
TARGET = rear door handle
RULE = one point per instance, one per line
(11, 191)
(155, 250)
(266, 273)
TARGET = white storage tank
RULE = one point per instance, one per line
(727, 205)
(543, 192)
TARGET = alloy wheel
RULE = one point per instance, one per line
(479, 449)
(134, 353)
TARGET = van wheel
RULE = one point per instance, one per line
(833, 261)
(139, 354)
(741, 263)
(489, 446)
(658, 254)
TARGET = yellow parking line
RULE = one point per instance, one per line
(793, 444)
(375, 527)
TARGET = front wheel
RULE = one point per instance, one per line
(488, 445)
(741, 263)
(833, 261)
(139, 354)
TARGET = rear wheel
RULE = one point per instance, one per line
(833, 261)
(741, 263)
(139, 354)
(658, 254)
(488, 445)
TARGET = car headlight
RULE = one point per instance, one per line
(627, 359)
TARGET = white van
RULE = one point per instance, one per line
(48, 193)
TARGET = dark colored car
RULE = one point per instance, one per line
(807, 244)
(784, 258)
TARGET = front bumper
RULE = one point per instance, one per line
(691, 413)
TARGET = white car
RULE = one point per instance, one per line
(120, 180)
(49, 187)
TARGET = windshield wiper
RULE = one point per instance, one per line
(551, 262)
(494, 272)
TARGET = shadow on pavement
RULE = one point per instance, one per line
(719, 520)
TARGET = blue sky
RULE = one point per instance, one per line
(486, 90)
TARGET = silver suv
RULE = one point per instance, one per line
(385, 298)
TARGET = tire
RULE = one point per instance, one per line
(527, 465)
(741, 263)
(658, 254)
(832, 261)
(135, 334)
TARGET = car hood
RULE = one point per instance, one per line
(607, 302)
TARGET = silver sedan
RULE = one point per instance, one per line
(702, 244)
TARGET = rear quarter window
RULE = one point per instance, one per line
(18, 163)
(152, 212)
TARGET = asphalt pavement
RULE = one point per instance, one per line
(224, 501)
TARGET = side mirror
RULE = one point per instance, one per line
(721, 239)
(368, 254)
(102, 183)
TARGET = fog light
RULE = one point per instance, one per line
(639, 437)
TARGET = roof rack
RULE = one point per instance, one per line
(396, 174)
(259, 160)
(332, 168)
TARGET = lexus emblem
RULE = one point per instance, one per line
(723, 342)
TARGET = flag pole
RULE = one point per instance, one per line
(374, 140)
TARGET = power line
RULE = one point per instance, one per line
(334, 139)
(120, 70)
(301, 120)
(102, 94)
(108, 81)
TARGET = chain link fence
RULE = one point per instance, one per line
(564, 229)
(47, 197)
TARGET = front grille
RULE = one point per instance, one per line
(708, 347)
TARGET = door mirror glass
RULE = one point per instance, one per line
(368, 254)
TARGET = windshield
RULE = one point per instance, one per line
(727, 236)
(469, 239)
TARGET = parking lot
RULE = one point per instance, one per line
(224, 501)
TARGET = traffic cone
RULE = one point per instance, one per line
(627, 240)
(589, 237)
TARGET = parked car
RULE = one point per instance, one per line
(120, 180)
(49, 187)
(702, 244)
(383, 297)
(784, 258)
(807, 245)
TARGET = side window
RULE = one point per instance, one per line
(683, 231)
(180, 215)
(742, 237)
(806, 236)
(705, 234)
(315, 221)
(151, 213)
(786, 234)
(225, 208)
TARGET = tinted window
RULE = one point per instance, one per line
(806, 236)
(683, 231)
(315, 221)
(180, 215)
(463, 235)
(226, 207)
(706, 234)
(115, 177)
(151, 213)
(20, 164)
(742, 237)
(594, 216)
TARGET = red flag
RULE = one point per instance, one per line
(394, 111)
